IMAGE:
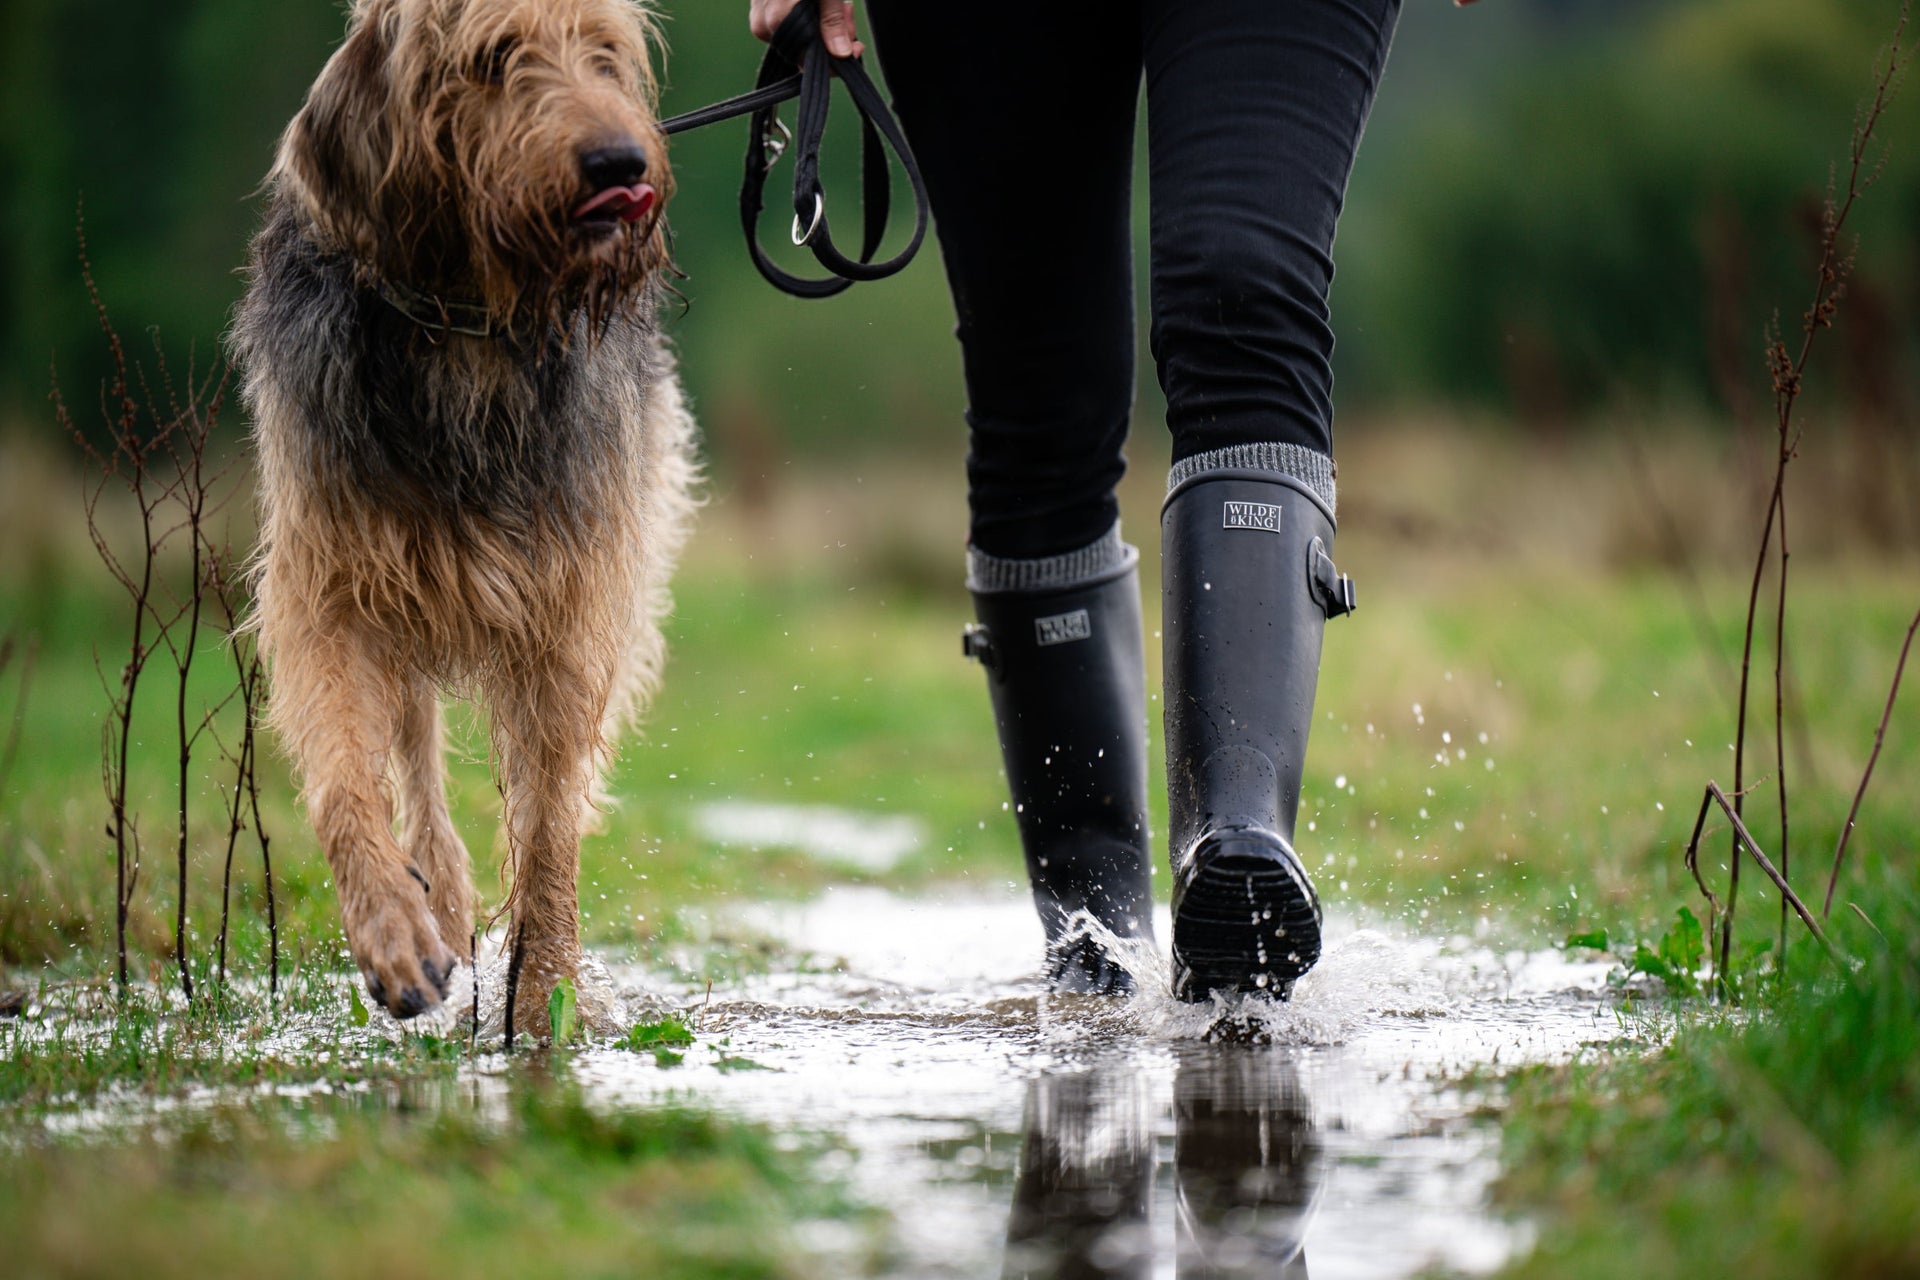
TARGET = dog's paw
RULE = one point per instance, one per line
(398, 946)
(542, 968)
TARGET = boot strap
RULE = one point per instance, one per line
(976, 642)
(1332, 588)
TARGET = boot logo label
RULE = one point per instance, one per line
(1251, 515)
(1063, 628)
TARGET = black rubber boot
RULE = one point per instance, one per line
(1068, 683)
(1249, 585)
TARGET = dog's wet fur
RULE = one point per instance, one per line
(491, 511)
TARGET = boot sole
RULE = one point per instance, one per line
(1248, 921)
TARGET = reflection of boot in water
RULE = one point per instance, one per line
(1248, 1163)
(1086, 1174)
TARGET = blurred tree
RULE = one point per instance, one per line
(1560, 202)
(1619, 217)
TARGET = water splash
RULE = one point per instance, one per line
(604, 1008)
(1361, 978)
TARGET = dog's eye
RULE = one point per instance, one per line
(607, 63)
(492, 66)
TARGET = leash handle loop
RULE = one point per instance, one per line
(797, 65)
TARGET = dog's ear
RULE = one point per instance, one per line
(336, 152)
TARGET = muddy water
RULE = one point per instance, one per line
(1014, 1134)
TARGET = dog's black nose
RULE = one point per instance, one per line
(615, 166)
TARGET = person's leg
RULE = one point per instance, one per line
(1255, 109)
(1023, 127)
(1024, 132)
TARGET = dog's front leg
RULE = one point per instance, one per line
(547, 714)
(426, 828)
(336, 707)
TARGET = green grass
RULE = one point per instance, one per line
(1782, 1143)
(358, 1152)
(339, 1188)
(86, 1041)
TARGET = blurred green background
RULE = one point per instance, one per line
(1570, 225)
(1561, 205)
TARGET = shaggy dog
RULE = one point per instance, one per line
(474, 459)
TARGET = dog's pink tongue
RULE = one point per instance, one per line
(628, 204)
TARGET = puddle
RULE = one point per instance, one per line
(863, 841)
(1015, 1134)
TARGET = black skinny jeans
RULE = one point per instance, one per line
(1022, 119)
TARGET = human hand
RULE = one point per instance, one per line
(836, 23)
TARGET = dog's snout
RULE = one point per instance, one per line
(615, 166)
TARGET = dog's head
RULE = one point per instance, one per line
(503, 148)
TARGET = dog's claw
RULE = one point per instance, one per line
(377, 990)
(410, 1004)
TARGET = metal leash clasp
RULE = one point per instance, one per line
(774, 142)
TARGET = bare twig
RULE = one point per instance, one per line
(513, 977)
(1780, 701)
(157, 447)
(1879, 740)
(1744, 838)
(1788, 372)
(125, 460)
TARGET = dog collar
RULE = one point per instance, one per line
(442, 315)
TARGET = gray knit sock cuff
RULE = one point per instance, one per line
(1308, 466)
(1096, 560)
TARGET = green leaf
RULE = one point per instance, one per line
(562, 1014)
(1595, 940)
(356, 1009)
(1649, 962)
(652, 1035)
(664, 1057)
(734, 1062)
(1684, 946)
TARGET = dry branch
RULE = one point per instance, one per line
(157, 446)
(1879, 740)
(1744, 838)
(1787, 369)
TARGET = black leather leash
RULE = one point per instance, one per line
(798, 65)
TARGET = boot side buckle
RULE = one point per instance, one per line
(976, 642)
(1332, 588)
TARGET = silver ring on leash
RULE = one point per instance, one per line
(819, 210)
